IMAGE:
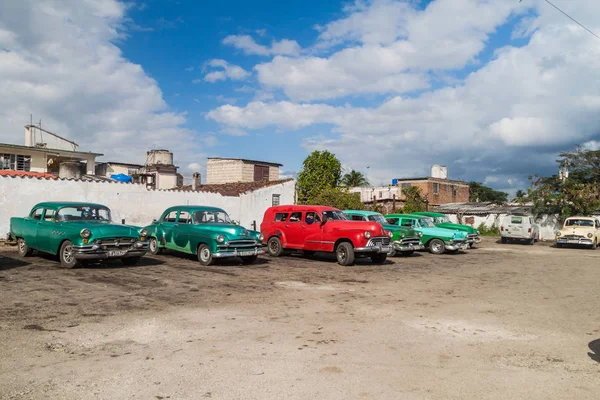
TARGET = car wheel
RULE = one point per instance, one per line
(308, 253)
(249, 260)
(503, 240)
(274, 247)
(205, 255)
(378, 258)
(392, 252)
(66, 255)
(595, 245)
(153, 247)
(24, 250)
(437, 246)
(130, 261)
(345, 254)
(531, 241)
(407, 253)
(559, 245)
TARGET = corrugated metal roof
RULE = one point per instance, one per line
(483, 208)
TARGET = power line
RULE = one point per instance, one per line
(571, 18)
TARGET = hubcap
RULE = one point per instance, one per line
(22, 245)
(68, 254)
(153, 245)
(342, 254)
(437, 247)
(205, 254)
(274, 246)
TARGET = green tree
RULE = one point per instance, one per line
(413, 200)
(321, 170)
(338, 198)
(484, 194)
(354, 179)
(521, 196)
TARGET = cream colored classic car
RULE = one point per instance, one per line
(583, 231)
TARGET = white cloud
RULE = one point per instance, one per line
(59, 62)
(233, 72)
(249, 46)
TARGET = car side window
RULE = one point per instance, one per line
(281, 217)
(312, 217)
(392, 221)
(37, 214)
(296, 217)
(171, 217)
(49, 215)
(185, 218)
(408, 222)
(356, 217)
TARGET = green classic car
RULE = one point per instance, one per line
(206, 232)
(437, 240)
(77, 232)
(405, 240)
(442, 221)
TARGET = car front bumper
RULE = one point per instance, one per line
(239, 253)
(95, 252)
(410, 246)
(578, 241)
(376, 245)
(473, 239)
(456, 245)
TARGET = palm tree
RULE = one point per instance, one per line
(354, 179)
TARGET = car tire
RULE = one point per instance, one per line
(249, 260)
(24, 250)
(595, 245)
(503, 240)
(130, 261)
(66, 255)
(308, 253)
(205, 256)
(407, 253)
(437, 246)
(153, 246)
(559, 245)
(531, 241)
(378, 258)
(344, 253)
(274, 247)
(392, 252)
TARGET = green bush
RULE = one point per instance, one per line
(488, 231)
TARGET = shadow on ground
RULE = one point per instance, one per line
(594, 346)
(7, 263)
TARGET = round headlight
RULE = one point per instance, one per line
(590, 235)
(477, 231)
(557, 233)
(367, 234)
(403, 236)
(144, 232)
(420, 234)
(261, 237)
(220, 238)
(85, 233)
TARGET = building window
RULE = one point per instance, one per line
(405, 185)
(15, 162)
(380, 195)
(436, 188)
(275, 200)
(453, 191)
(261, 173)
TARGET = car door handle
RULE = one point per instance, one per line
(287, 226)
(303, 226)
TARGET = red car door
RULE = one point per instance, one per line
(293, 231)
(312, 231)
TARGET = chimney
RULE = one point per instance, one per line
(196, 181)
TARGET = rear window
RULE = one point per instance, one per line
(579, 222)
(516, 220)
(281, 217)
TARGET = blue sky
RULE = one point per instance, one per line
(493, 89)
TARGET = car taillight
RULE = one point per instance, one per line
(502, 228)
(529, 230)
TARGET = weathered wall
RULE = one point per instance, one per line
(273, 173)
(548, 224)
(134, 203)
(444, 194)
(224, 171)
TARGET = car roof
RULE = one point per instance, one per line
(301, 208)
(405, 215)
(428, 213)
(361, 212)
(60, 204)
(580, 217)
(193, 208)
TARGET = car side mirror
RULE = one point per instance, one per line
(324, 221)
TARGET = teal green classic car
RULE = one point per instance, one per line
(442, 221)
(437, 240)
(405, 240)
(77, 232)
(206, 232)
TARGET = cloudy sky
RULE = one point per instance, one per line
(493, 89)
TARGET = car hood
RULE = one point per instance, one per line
(230, 231)
(457, 227)
(408, 232)
(442, 232)
(104, 229)
(579, 230)
(374, 227)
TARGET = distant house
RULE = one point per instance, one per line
(44, 152)
(230, 170)
(109, 168)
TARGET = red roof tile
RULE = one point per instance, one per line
(234, 189)
(26, 174)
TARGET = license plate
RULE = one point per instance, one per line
(573, 241)
(117, 253)
(246, 253)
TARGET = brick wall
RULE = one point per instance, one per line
(224, 171)
(273, 173)
(439, 191)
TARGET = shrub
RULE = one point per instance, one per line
(484, 230)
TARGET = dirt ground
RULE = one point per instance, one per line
(496, 322)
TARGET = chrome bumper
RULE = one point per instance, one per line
(373, 249)
(399, 246)
(239, 253)
(95, 251)
(579, 241)
(456, 246)
(473, 239)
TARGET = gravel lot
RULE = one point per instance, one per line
(497, 322)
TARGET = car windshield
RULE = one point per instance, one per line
(334, 215)
(211, 217)
(443, 219)
(426, 223)
(377, 218)
(579, 222)
(83, 213)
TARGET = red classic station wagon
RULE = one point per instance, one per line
(320, 228)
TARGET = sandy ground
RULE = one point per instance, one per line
(497, 322)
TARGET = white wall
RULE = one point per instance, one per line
(548, 224)
(134, 203)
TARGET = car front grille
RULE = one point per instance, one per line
(376, 241)
(115, 243)
(414, 241)
(240, 243)
(573, 237)
(472, 236)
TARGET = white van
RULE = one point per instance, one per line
(519, 227)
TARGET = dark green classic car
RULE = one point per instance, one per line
(207, 232)
(77, 232)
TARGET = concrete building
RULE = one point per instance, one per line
(437, 189)
(230, 170)
(44, 152)
(109, 168)
(159, 172)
